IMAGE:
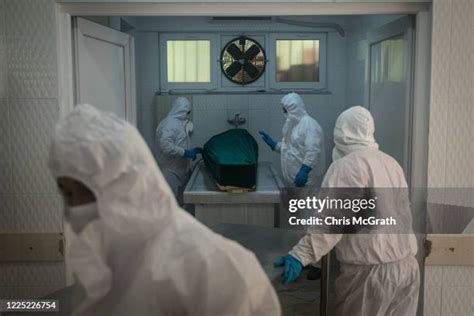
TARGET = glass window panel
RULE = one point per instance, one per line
(188, 60)
(297, 60)
(389, 60)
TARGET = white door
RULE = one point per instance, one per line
(104, 68)
(389, 91)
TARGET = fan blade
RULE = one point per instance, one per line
(234, 51)
(251, 70)
(233, 69)
(252, 52)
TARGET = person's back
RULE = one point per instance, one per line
(379, 274)
(186, 269)
(141, 254)
(372, 168)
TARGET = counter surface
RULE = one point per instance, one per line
(202, 189)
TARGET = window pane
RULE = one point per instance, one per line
(297, 60)
(389, 60)
(188, 60)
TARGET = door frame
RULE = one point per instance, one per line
(66, 9)
(422, 64)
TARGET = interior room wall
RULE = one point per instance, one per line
(29, 200)
(211, 112)
(449, 289)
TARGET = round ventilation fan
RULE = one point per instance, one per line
(243, 60)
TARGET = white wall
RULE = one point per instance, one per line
(449, 290)
(452, 99)
(29, 201)
(210, 114)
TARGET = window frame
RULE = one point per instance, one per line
(165, 85)
(321, 85)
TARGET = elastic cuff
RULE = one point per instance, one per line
(303, 262)
(306, 168)
(277, 147)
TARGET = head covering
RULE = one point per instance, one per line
(293, 103)
(180, 108)
(354, 130)
(302, 143)
(109, 156)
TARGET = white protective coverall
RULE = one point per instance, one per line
(379, 273)
(172, 137)
(144, 255)
(302, 143)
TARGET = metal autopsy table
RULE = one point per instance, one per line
(213, 206)
(270, 243)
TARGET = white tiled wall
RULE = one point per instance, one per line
(28, 111)
(262, 112)
(452, 111)
(449, 290)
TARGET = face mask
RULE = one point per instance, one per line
(79, 216)
(87, 260)
(188, 127)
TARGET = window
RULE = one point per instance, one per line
(295, 61)
(186, 61)
(388, 59)
(299, 61)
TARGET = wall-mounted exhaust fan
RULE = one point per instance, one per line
(243, 60)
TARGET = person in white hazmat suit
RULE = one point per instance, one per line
(173, 139)
(132, 250)
(302, 147)
(379, 274)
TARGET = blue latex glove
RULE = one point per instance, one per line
(302, 176)
(291, 268)
(267, 139)
(191, 153)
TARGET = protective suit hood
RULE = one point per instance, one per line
(172, 139)
(109, 156)
(294, 105)
(354, 130)
(302, 143)
(180, 108)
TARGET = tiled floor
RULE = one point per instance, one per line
(300, 297)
